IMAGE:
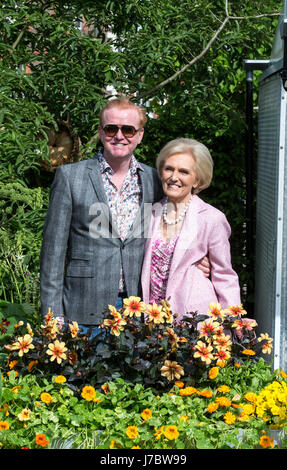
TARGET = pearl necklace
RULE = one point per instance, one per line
(179, 218)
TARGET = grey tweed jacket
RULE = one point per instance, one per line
(82, 252)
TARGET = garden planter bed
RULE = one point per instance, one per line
(150, 384)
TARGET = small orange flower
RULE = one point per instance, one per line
(205, 393)
(12, 364)
(238, 324)
(155, 313)
(132, 432)
(222, 355)
(89, 393)
(252, 397)
(183, 418)
(247, 323)
(172, 336)
(171, 432)
(60, 379)
(236, 405)
(31, 365)
(223, 401)
(105, 388)
(266, 442)
(248, 408)
(133, 306)
(213, 373)
(41, 440)
(146, 414)
(267, 348)
(267, 345)
(216, 311)
(204, 352)
(24, 344)
(220, 363)
(208, 328)
(116, 325)
(187, 391)
(235, 310)
(167, 311)
(158, 433)
(114, 444)
(4, 426)
(248, 352)
(229, 418)
(46, 398)
(57, 350)
(212, 407)
(179, 384)
(223, 342)
(74, 329)
(223, 389)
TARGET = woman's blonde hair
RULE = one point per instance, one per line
(203, 161)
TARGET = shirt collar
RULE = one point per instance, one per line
(105, 167)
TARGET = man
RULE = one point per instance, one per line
(94, 234)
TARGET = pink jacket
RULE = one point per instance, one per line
(205, 231)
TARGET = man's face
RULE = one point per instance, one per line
(120, 146)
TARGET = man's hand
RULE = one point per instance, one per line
(60, 321)
(204, 266)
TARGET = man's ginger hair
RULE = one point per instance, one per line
(125, 103)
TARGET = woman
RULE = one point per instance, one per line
(183, 230)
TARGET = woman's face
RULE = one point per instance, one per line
(178, 177)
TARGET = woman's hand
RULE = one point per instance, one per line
(204, 266)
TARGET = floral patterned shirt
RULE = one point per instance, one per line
(125, 203)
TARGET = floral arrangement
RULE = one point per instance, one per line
(139, 343)
(40, 413)
(271, 403)
(148, 343)
(146, 381)
(48, 349)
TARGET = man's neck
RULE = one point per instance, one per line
(119, 165)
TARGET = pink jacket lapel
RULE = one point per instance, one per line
(188, 239)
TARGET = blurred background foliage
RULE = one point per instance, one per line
(60, 61)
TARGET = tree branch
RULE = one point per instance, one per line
(189, 64)
(204, 51)
(263, 15)
(21, 34)
(147, 93)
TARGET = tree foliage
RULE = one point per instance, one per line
(184, 60)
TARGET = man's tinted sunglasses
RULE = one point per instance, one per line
(110, 130)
